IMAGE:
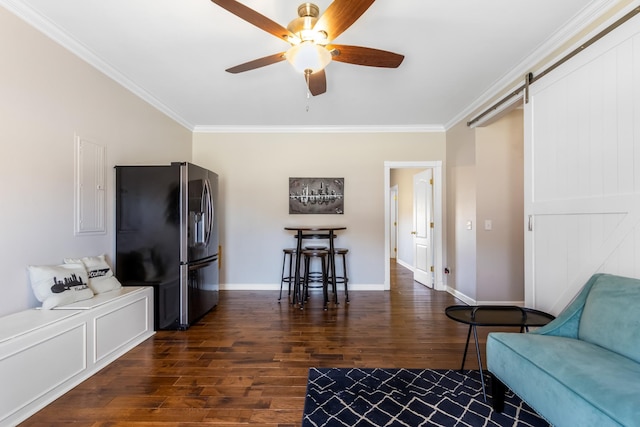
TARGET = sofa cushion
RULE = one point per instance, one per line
(611, 316)
(568, 381)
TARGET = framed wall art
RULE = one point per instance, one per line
(316, 196)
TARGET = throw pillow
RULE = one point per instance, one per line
(57, 285)
(101, 278)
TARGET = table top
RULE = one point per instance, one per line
(497, 315)
(315, 228)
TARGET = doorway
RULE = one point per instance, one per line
(438, 226)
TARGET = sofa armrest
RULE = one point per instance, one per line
(568, 321)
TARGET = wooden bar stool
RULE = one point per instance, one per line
(308, 255)
(287, 278)
(341, 252)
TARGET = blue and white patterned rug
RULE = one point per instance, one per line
(406, 397)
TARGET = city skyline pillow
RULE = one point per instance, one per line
(58, 285)
(101, 278)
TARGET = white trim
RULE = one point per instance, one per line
(320, 129)
(470, 301)
(402, 263)
(462, 297)
(438, 219)
(516, 303)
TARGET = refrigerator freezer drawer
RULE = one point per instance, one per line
(199, 290)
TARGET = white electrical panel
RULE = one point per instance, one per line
(90, 192)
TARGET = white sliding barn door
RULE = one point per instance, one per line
(582, 171)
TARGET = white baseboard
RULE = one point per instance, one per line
(404, 264)
(470, 301)
(516, 303)
(462, 297)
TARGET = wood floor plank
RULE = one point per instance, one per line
(247, 361)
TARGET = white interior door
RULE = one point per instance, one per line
(393, 218)
(423, 227)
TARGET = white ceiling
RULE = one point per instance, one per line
(173, 53)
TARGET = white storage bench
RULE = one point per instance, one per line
(45, 353)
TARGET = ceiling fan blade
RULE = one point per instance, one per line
(365, 56)
(317, 82)
(340, 15)
(257, 63)
(256, 19)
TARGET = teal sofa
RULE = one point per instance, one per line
(581, 369)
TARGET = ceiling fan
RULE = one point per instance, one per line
(310, 36)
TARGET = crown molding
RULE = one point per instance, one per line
(320, 129)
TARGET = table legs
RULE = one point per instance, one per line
(297, 288)
(464, 356)
(298, 293)
(466, 347)
(475, 337)
(332, 266)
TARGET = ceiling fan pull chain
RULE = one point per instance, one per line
(306, 77)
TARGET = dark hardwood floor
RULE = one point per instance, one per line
(247, 361)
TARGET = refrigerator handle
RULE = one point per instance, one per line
(207, 208)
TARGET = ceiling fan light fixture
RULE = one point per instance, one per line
(303, 25)
(308, 57)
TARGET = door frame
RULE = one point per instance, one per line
(393, 228)
(438, 218)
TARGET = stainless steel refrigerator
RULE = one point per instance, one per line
(167, 237)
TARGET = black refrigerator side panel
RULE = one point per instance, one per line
(148, 235)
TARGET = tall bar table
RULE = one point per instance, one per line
(300, 233)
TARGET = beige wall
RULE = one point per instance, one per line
(500, 199)
(254, 177)
(48, 95)
(461, 208)
(485, 182)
